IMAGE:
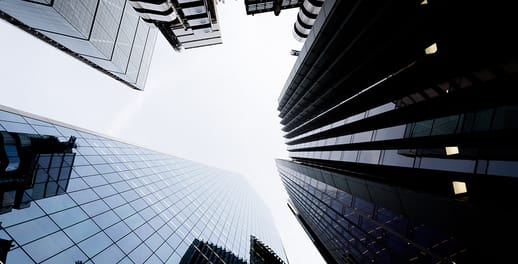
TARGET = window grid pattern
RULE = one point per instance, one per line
(483, 121)
(351, 227)
(127, 204)
(107, 34)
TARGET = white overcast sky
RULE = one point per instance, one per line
(215, 105)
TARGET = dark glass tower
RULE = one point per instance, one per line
(100, 200)
(401, 124)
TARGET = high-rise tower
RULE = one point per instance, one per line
(401, 125)
(116, 37)
(107, 35)
(89, 198)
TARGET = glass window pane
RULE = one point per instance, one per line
(18, 216)
(71, 255)
(106, 219)
(84, 196)
(134, 221)
(117, 231)
(140, 254)
(69, 217)
(164, 252)
(48, 246)
(82, 230)
(94, 208)
(18, 256)
(95, 180)
(154, 241)
(18, 128)
(153, 259)
(39, 227)
(144, 231)
(95, 244)
(110, 255)
(129, 242)
(11, 117)
(56, 203)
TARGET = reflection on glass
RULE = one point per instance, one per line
(32, 167)
(5, 246)
(201, 252)
(262, 254)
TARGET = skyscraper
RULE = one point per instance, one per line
(185, 24)
(400, 123)
(107, 35)
(116, 37)
(308, 12)
(266, 6)
(110, 202)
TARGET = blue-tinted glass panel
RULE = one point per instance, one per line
(82, 230)
(110, 255)
(39, 227)
(71, 255)
(68, 217)
(56, 203)
(129, 242)
(48, 246)
(117, 231)
(95, 244)
(140, 254)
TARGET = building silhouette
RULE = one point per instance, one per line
(261, 253)
(32, 167)
(400, 124)
(122, 203)
(201, 252)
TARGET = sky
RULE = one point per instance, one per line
(214, 105)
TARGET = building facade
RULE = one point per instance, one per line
(400, 124)
(185, 24)
(308, 12)
(107, 35)
(253, 7)
(93, 199)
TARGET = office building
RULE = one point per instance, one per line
(308, 12)
(401, 127)
(107, 35)
(184, 24)
(253, 7)
(87, 198)
(201, 252)
(116, 37)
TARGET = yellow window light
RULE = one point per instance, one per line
(452, 150)
(431, 49)
(425, 2)
(459, 187)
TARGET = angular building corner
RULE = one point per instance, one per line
(68, 195)
(116, 37)
(401, 124)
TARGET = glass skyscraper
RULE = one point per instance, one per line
(401, 127)
(72, 196)
(107, 35)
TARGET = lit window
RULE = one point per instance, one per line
(452, 150)
(431, 49)
(459, 187)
